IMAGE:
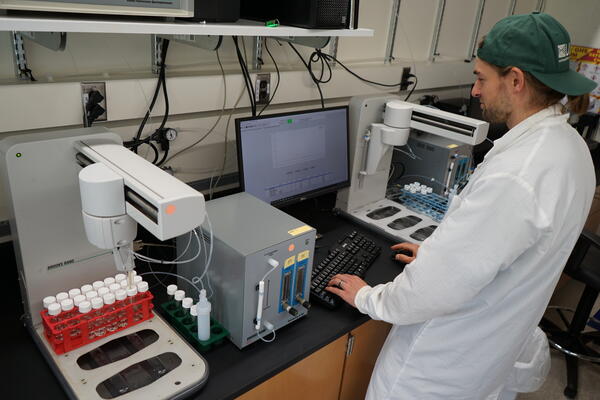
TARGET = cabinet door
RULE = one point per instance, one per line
(318, 376)
(367, 342)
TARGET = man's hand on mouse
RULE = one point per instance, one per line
(406, 252)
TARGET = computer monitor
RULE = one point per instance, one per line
(285, 158)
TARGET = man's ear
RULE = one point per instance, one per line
(516, 79)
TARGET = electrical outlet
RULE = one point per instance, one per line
(404, 81)
(93, 100)
(262, 88)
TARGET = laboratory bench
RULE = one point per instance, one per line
(309, 354)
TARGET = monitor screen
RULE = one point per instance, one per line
(285, 158)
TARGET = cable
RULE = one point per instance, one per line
(316, 80)
(159, 84)
(246, 76)
(278, 79)
(145, 258)
(212, 128)
(172, 274)
(414, 86)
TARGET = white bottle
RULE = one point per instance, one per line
(203, 310)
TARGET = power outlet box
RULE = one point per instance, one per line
(404, 80)
(262, 88)
(89, 100)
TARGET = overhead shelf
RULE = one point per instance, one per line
(149, 26)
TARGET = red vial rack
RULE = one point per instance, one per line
(72, 329)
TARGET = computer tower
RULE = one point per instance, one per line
(216, 10)
(312, 14)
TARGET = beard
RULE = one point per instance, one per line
(498, 111)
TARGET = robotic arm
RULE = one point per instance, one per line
(118, 188)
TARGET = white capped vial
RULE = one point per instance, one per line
(137, 279)
(54, 309)
(171, 289)
(179, 296)
(120, 277)
(142, 287)
(131, 292)
(66, 305)
(48, 300)
(114, 287)
(97, 303)
(91, 294)
(97, 285)
(86, 288)
(74, 292)
(109, 298)
(78, 300)
(124, 284)
(203, 308)
(109, 281)
(85, 307)
(120, 295)
(186, 303)
(61, 296)
(102, 291)
(194, 313)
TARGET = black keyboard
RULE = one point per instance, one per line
(352, 254)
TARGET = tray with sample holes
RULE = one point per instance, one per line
(184, 324)
(68, 332)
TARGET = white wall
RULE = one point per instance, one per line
(196, 88)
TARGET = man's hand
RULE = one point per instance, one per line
(345, 286)
(406, 247)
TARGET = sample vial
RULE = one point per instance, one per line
(124, 284)
(84, 309)
(203, 310)
(67, 309)
(61, 296)
(86, 288)
(109, 281)
(131, 293)
(102, 291)
(171, 289)
(97, 285)
(97, 304)
(142, 287)
(109, 301)
(114, 287)
(120, 277)
(194, 314)
(54, 310)
(186, 303)
(91, 294)
(48, 300)
(74, 292)
(78, 300)
(179, 296)
(137, 279)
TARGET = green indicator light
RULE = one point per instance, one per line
(19, 155)
(290, 121)
(272, 23)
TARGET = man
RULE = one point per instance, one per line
(465, 309)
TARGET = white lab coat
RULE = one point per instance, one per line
(465, 309)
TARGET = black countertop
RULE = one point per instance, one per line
(232, 371)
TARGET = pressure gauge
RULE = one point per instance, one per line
(171, 134)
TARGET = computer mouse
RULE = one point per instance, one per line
(403, 252)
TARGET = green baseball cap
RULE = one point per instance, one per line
(539, 44)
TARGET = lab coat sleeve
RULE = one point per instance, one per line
(493, 225)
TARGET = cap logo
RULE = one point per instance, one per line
(563, 52)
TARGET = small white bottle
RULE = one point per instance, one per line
(109, 281)
(48, 300)
(78, 299)
(179, 296)
(171, 289)
(74, 293)
(203, 310)
(186, 303)
(86, 288)
(97, 285)
(102, 291)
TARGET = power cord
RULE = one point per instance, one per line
(278, 79)
(246, 75)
